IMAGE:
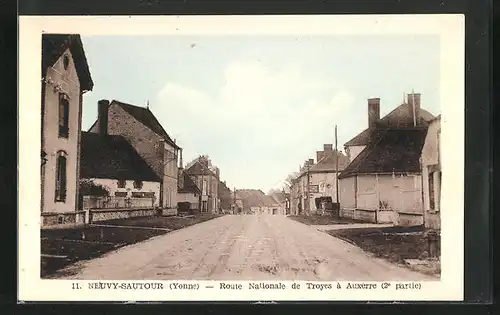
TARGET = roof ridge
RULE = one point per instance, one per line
(371, 147)
(127, 104)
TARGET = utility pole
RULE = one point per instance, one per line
(413, 108)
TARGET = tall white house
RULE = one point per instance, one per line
(65, 78)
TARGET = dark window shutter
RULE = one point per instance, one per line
(61, 179)
(63, 116)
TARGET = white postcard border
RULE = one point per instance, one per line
(450, 28)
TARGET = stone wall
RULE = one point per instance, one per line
(410, 219)
(111, 214)
(64, 219)
(365, 215)
(169, 211)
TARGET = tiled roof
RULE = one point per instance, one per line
(189, 185)
(54, 45)
(147, 118)
(112, 157)
(279, 197)
(329, 163)
(397, 118)
(199, 169)
(326, 164)
(396, 150)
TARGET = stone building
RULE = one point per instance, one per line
(207, 178)
(316, 184)
(65, 78)
(146, 135)
(187, 191)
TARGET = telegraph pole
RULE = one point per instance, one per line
(413, 108)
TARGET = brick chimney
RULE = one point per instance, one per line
(373, 111)
(319, 155)
(102, 116)
(327, 148)
(311, 162)
(180, 178)
(414, 101)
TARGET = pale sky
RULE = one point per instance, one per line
(260, 106)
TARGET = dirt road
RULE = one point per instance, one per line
(243, 248)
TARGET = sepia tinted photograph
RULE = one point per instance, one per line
(240, 157)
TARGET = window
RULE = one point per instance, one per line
(121, 183)
(204, 188)
(61, 177)
(432, 201)
(121, 194)
(63, 116)
(66, 62)
(138, 194)
(150, 194)
(137, 184)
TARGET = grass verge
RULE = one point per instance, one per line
(61, 247)
(395, 244)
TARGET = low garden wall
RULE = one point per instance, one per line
(169, 211)
(383, 216)
(63, 219)
(96, 215)
(410, 219)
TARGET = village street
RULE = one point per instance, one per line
(246, 247)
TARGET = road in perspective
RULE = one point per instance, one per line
(243, 247)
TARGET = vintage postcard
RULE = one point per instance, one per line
(258, 158)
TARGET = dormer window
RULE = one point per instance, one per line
(63, 115)
(121, 183)
(137, 184)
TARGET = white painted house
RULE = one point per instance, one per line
(65, 78)
(112, 162)
(383, 182)
(316, 183)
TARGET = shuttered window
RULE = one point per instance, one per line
(63, 116)
(432, 201)
(61, 177)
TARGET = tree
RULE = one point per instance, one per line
(89, 188)
(288, 183)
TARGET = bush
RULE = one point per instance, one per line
(89, 188)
